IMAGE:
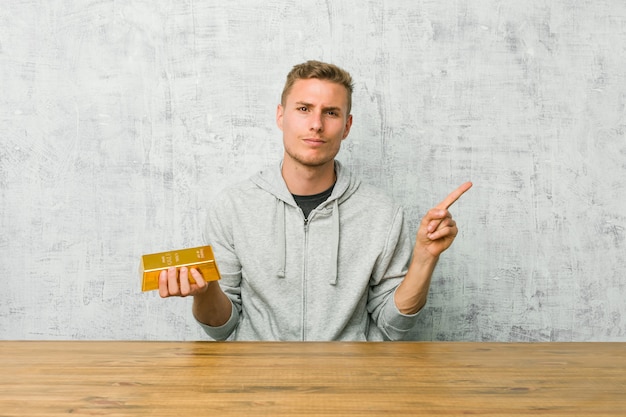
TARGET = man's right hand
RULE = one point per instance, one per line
(211, 306)
(173, 283)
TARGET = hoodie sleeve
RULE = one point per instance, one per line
(388, 273)
(218, 234)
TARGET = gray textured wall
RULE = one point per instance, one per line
(120, 119)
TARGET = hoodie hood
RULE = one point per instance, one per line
(271, 180)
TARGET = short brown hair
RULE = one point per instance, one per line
(321, 71)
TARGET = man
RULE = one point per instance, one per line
(306, 251)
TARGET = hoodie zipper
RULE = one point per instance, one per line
(304, 275)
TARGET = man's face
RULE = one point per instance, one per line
(314, 121)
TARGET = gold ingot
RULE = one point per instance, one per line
(200, 258)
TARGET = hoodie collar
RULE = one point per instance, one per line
(272, 181)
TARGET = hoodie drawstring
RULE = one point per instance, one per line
(334, 258)
(282, 243)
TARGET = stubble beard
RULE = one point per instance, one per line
(310, 162)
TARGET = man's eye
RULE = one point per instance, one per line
(303, 108)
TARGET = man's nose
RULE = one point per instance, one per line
(317, 123)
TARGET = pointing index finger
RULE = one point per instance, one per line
(454, 195)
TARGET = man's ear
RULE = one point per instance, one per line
(279, 116)
(347, 128)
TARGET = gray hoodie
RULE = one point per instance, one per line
(331, 277)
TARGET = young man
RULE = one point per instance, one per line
(306, 251)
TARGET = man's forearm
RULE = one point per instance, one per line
(212, 307)
(412, 293)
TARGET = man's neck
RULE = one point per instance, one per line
(308, 180)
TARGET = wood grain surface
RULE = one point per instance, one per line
(40, 378)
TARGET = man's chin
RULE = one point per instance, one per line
(312, 161)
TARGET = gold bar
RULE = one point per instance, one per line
(200, 258)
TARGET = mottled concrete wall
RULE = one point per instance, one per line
(120, 119)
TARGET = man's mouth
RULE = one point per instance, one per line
(314, 141)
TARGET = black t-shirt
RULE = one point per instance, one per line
(308, 202)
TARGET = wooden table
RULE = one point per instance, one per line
(311, 379)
